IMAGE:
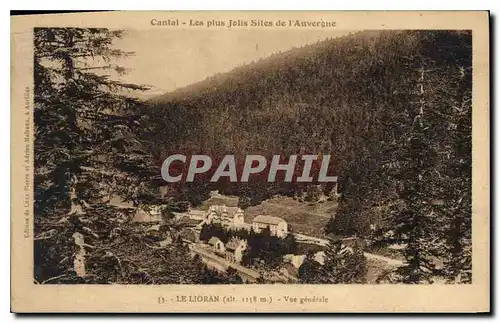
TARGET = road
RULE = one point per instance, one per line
(324, 242)
(218, 262)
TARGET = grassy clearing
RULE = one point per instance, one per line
(220, 200)
(309, 219)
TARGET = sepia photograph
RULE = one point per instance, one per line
(264, 150)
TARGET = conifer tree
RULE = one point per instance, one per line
(454, 175)
(87, 148)
(342, 266)
(431, 215)
(309, 270)
(232, 276)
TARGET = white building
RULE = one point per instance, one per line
(226, 215)
(277, 226)
(217, 245)
(235, 249)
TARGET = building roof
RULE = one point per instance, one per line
(197, 212)
(233, 244)
(268, 219)
(217, 208)
(187, 221)
(230, 210)
(213, 240)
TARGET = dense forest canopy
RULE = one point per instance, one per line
(393, 108)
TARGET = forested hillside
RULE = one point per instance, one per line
(393, 108)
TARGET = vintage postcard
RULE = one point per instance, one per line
(250, 162)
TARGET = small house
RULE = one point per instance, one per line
(235, 249)
(217, 245)
(236, 216)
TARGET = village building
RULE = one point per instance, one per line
(225, 215)
(277, 226)
(197, 214)
(217, 245)
(295, 260)
(235, 249)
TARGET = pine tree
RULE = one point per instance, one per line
(309, 270)
(232, 276)
(87, 148)
(342, 266)
(290, 244)
(411, 221)
(454, 176)
(205, 233)
(431, 215)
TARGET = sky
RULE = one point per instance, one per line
(167, 59)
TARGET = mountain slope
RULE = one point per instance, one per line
(352, 97)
